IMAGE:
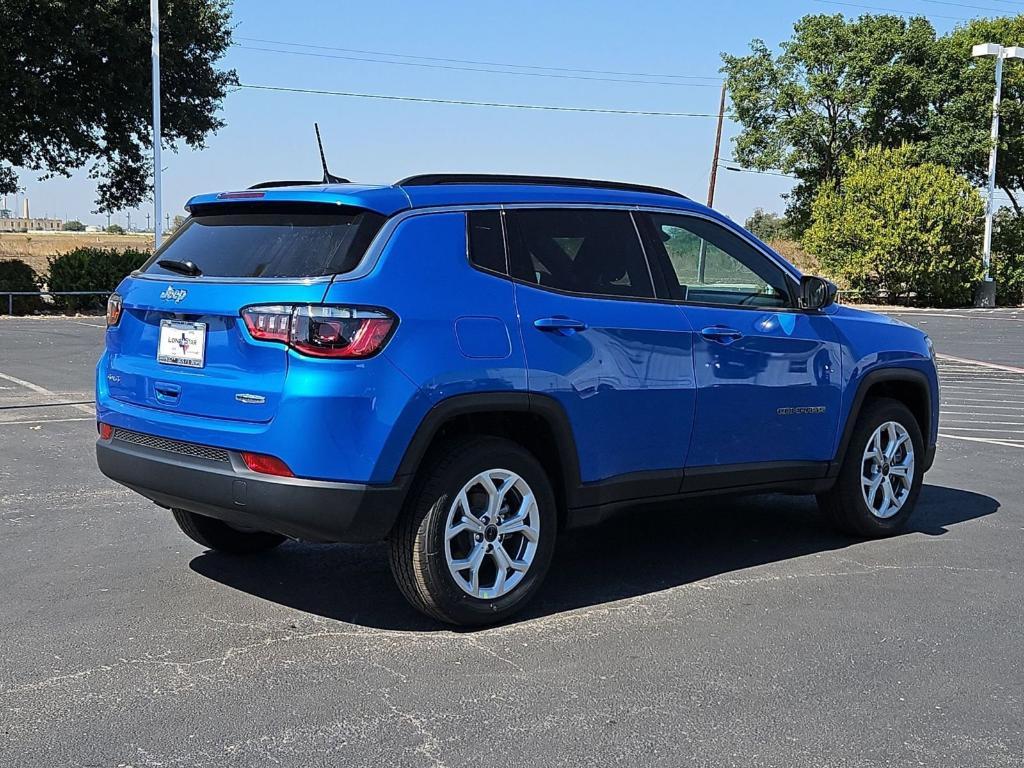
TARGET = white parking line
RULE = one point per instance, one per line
(962, 400)
(979, 363)
(1001, 431)
(952, 404)
(975, 390)
(949, 422)
(46, 421)
(975, 314)
(962, 378)
(90, 325)
(43, 391)
(981, 440)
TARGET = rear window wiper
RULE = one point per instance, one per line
(186, 268)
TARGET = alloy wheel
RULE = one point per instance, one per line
(491, 534)
(887, 470)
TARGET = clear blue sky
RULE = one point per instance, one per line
(270, 135)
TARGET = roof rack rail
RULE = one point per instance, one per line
(271, 184)
(430, 179)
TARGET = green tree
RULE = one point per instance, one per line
(76, 87)
(770, 227)
(835, 85)
(115, 229)
(1008, 257)
(959, 128)
(74, 226)
(900, 228)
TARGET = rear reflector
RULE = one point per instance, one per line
(106, 431)
(351, 333)
(266, 465)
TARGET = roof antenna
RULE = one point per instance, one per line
(329, 178)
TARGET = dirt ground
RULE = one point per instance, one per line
(34, 248)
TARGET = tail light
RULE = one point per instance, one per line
(351, 333)
(114, 306)
(106, 431)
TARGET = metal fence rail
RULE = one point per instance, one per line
(11, 294)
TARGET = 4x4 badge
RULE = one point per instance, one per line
(170, 293)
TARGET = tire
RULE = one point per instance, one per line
(219, 536)
(846, 503)
(420, 552)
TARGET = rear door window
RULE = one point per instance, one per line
(271, 243)
(582, 251)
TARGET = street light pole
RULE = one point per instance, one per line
(154, 26)
(986, 296)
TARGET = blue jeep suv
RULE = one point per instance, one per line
(466, 366)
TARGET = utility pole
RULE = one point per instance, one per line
(129, 221)
(718, 149)
(154, 26)
(108, 219)
(985, 295)
(702, 255)
(167, 218)
(147, 222)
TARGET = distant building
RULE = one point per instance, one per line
(26, 222)
(17, 225)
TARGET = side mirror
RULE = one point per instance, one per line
(816, 292)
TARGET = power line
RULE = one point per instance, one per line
(741, 169)
(964, 5)
(465, 103)
(478, 62)
(1008, 2)
(890, 10)
(472, 69)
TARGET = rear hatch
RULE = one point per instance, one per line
(181, 344)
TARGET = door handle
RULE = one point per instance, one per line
(721, 334)
(558, 324)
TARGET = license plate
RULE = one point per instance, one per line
(182, 343)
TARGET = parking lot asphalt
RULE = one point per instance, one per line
(739, 632)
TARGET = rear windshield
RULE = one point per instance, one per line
(298, 243)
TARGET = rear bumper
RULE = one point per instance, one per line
(313, 510)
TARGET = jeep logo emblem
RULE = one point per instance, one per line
(177, 295)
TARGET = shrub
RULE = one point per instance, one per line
(90, 269)
(1008, 257)
(16, 275)
(794, 253)
(115, 229)
(74, 226)
(899, 230)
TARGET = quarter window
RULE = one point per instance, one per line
(582, 251)
(486, 241)
(711, 265)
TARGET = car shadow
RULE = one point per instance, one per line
(635, 553)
